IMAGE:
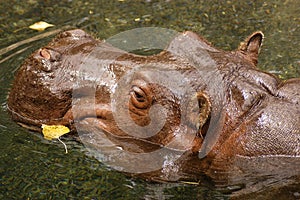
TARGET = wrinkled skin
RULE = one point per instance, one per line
(258, 116)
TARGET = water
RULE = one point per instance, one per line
(33, 168)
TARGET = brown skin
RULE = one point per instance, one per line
(260, 113)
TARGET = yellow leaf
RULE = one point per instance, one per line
(54, 131)
(40, 26)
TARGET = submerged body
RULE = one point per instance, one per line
(241, 112)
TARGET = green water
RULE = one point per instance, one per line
(33, 168)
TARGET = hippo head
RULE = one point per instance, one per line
(172, 96)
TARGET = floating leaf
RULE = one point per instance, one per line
(54, 131)
(40, 26)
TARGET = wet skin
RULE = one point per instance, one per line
(256, 114)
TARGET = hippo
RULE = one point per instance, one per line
(232, 110)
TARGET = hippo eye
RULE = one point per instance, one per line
(139, 97)
(139, 94)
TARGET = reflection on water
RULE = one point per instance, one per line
(37, 169)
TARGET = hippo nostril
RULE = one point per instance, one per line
(45, 54)
(50, 54)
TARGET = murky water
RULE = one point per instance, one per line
(33, 168)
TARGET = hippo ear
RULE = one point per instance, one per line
(251, 46)
(204, 111)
